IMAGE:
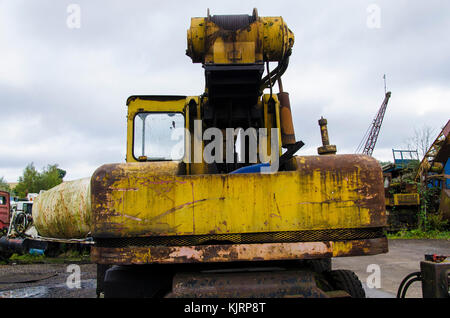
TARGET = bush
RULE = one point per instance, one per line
(418, 234)
(435, 222)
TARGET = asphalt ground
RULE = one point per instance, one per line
(403, 258)
(55, 280)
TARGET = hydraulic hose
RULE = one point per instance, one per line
(276, 73)
(406, 282)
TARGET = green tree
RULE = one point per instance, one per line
(4, 186)
(33, 181)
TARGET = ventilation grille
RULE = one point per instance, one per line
(246, 238)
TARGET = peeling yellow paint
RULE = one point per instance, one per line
(168, 204)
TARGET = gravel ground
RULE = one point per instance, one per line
(50, 279)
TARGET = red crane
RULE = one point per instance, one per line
(370, 138)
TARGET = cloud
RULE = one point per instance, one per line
(63, 91)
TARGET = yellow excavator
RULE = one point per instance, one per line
(212, 200)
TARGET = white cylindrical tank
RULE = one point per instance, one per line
(64, 211)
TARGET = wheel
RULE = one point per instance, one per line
(319, 265)
(4, 256)
(20, 223)
(101, 271)
(136, 282)
(347, 281)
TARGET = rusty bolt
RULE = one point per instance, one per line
(326, 148)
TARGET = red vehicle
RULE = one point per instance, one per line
(4, 211)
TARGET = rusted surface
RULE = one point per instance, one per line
(360, 247)
(267, 37)
(370, 184)
(105, 176)
(210, 253)
(439, 151)
(4, 210)
(326, 148)
(236, 252)
(287, 125)
(274, 284)
(444, 206)
(319, 192)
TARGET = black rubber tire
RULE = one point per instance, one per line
(20, 219)
(319, 265)
(5, 255)
(101, 271)
(347, 281)
(135, 282)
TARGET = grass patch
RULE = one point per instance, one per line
(70, 257)
(419, 234)
(26, 259)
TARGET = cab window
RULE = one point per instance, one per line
(158, 136)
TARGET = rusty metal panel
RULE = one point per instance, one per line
(210, 253)
(444, 206)
(406, 199)
(320, 192)
(360, 247)
(275, 284)
(236, 252)
(287, 124)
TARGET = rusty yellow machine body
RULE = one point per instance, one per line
(166, 208)
(216, 40)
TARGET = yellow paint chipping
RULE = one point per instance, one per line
(236, 252)
(168, 204)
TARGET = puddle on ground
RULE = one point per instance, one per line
(28, 292)
(43, 291)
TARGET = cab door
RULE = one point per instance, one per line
(4, 210)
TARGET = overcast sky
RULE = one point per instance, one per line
(63, 90)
